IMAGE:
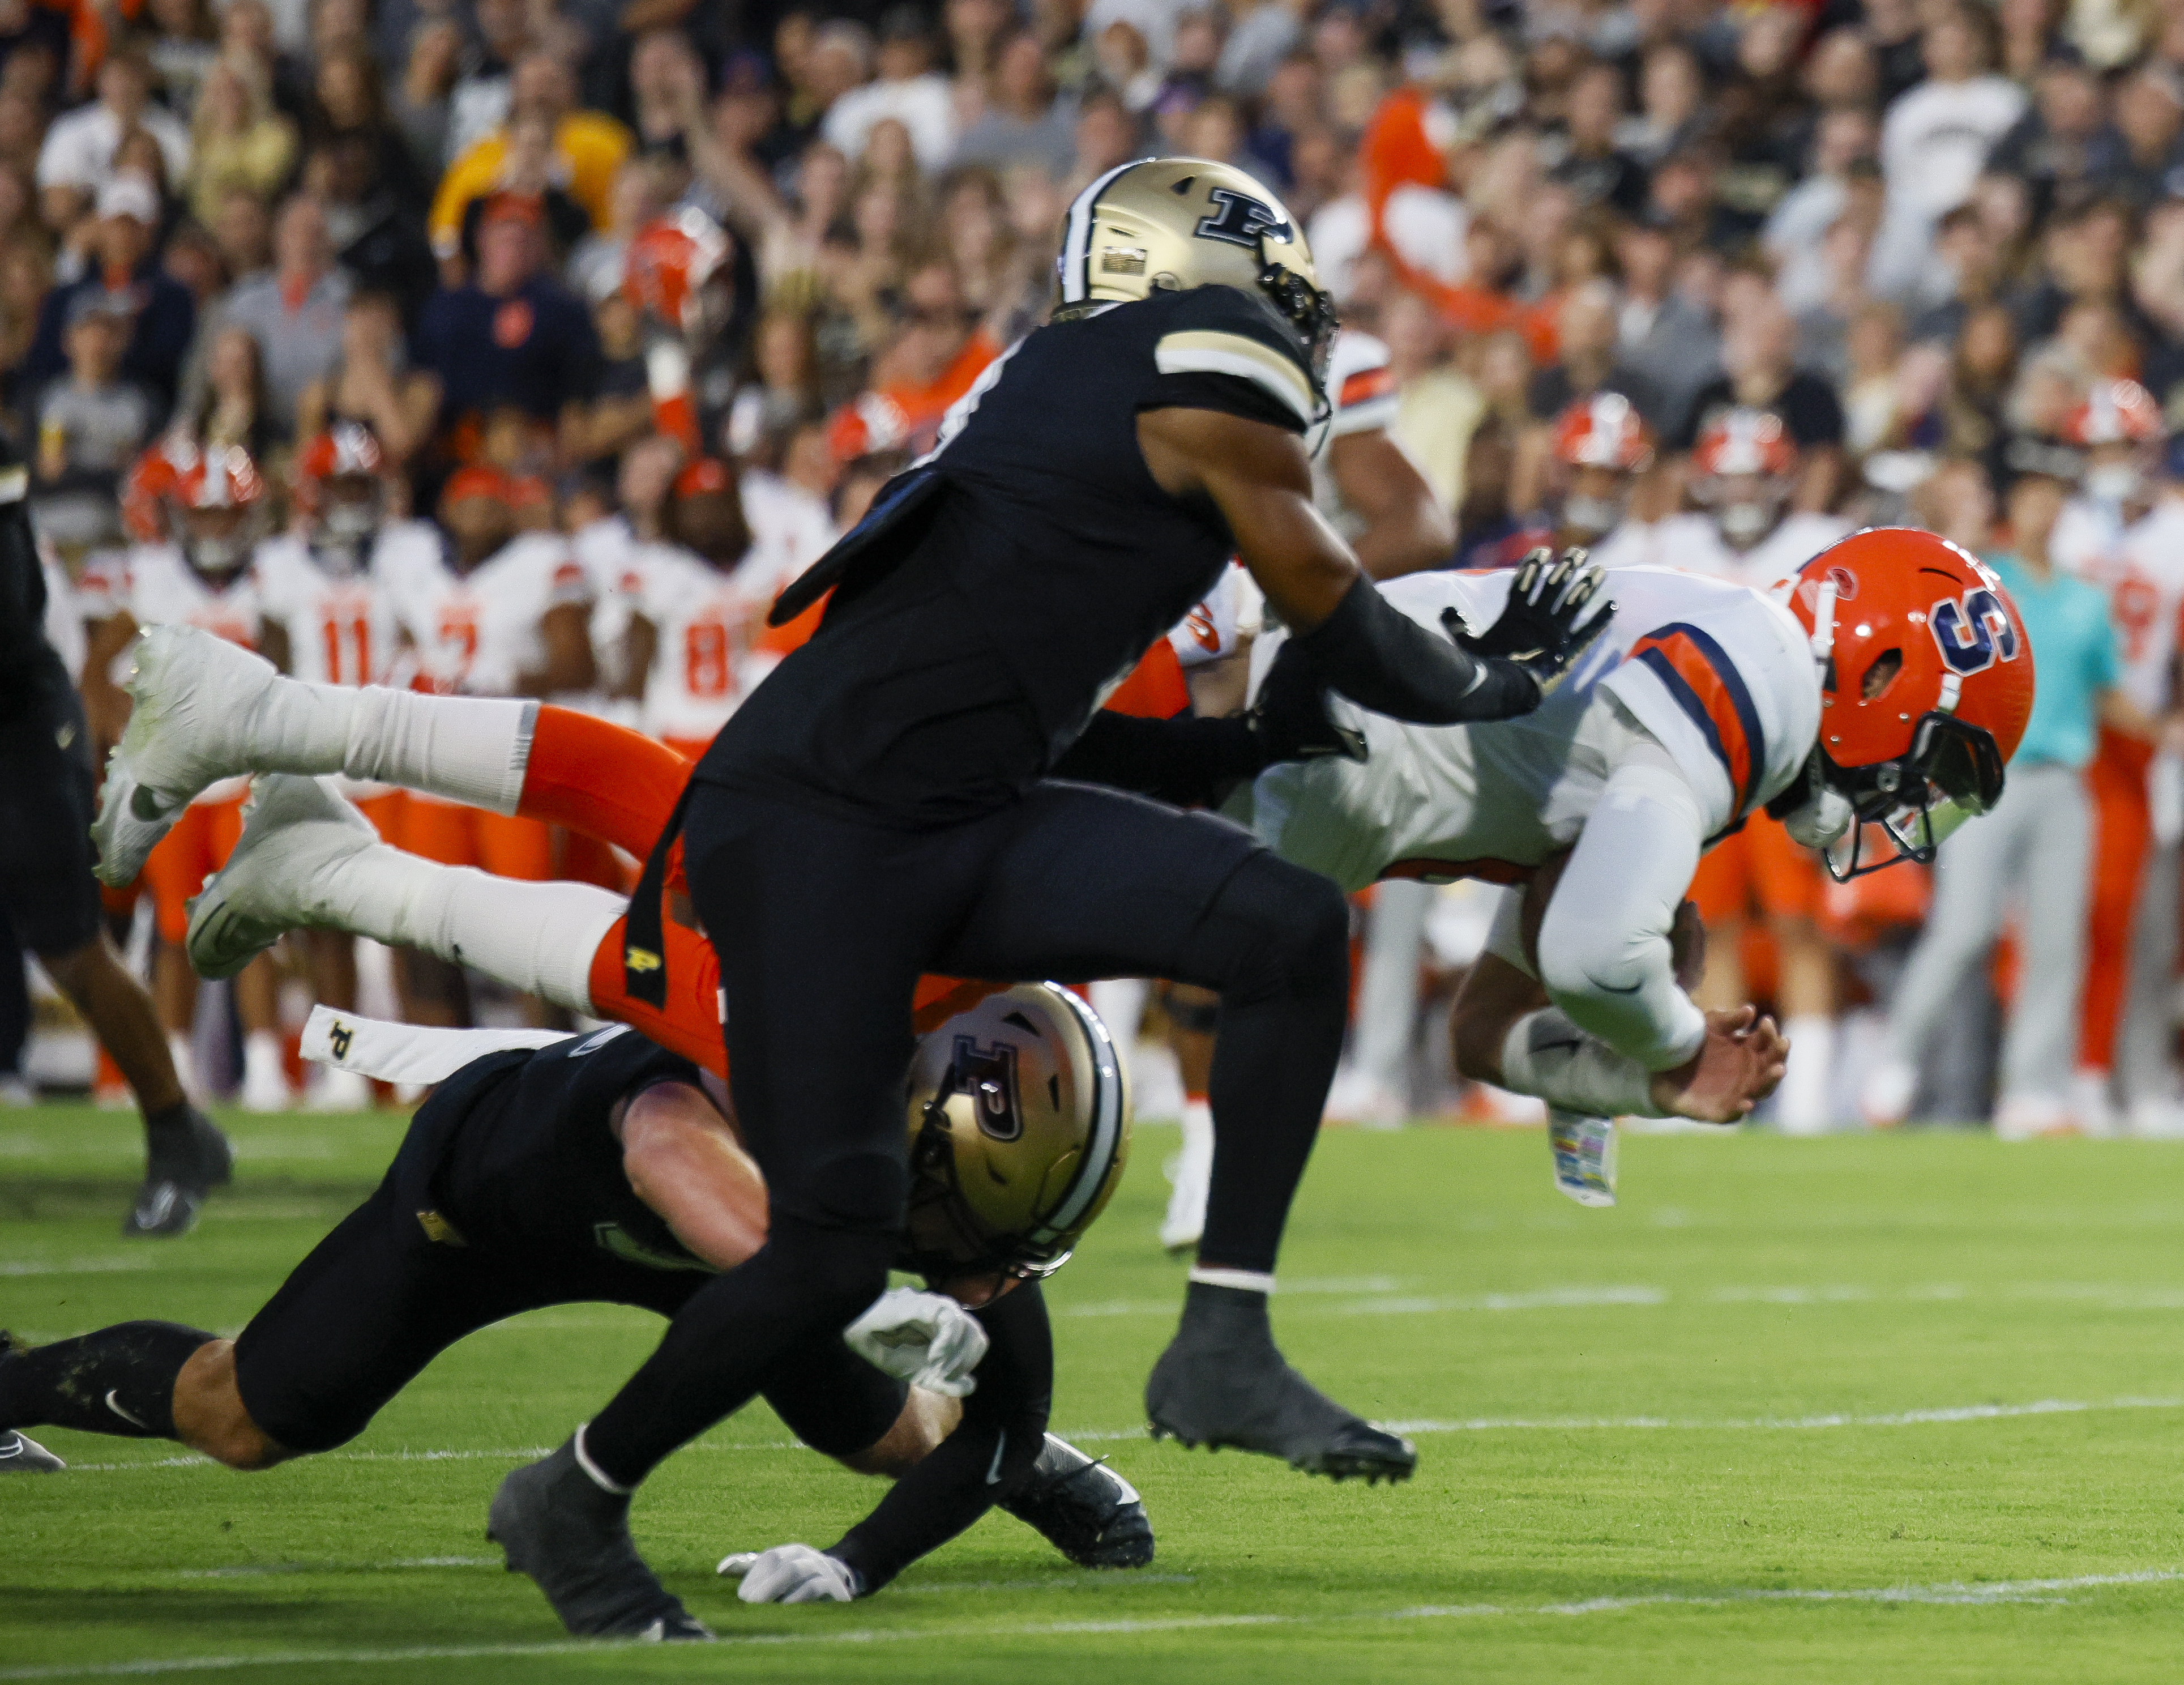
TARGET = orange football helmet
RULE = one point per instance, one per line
(341, 490)
(669, 267)
(1742, 468)
(1925, 686)
(1604, 432)
(2115, 412)
(222, 501)
(150, 482)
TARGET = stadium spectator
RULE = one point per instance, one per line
(238, 142)
(91, 423)
(159, 308)
(515, 337)
(585, 147)
(1023, 121)
(905, 89)
(77, 160)
(295, 312)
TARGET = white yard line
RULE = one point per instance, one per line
(1948, 1594)
(73, 1266)
(1940, 1415)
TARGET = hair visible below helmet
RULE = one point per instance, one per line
(1019, 1123)
(1925, 685)
(1167, 225)
(1604, 431)
(223, 478)
(670, 263)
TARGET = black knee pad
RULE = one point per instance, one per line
(1274, 930)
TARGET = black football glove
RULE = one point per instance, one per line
(1291, 720)
(1539, 631)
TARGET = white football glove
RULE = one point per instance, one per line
(796, 1573)
(927, 1339)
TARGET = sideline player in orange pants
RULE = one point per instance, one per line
(2123, 834)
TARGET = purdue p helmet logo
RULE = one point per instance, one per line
(988, 1076)
(1241, 220)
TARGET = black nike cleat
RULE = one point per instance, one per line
(20, 1454)
(185, 1159)
(1221, 1382)
(1084, 1509)
(554, 1522)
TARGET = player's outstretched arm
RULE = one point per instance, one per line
(1257, 476)
(684, 1161)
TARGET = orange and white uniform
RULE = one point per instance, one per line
(1718, 675)
(473, 633)
(340, 630)
(1759, 866)
(154, 586)
(707, 620)
(2142, 569)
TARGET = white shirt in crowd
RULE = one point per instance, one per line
(78, 149)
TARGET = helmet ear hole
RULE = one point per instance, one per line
(1882, 674)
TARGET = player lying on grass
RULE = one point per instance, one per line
(601, 1168)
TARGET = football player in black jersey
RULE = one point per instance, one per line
(601, 1168)
(881, 807)
(46, 892)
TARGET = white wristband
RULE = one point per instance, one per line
(1546, 1055)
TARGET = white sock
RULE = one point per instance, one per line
(186, 1061)
(1803, 1107)
(471, 749)
(262, 1063)
(539, 938)
(1250, 1280)
(1198, 1126)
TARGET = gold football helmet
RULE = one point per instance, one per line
(1019, 1127)
(1171, 224)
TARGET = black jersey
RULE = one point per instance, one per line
(1004, 586)
(516, 1154)
(31, 675)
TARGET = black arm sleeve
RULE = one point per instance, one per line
(29, 668)
(1186, 762)
(986, 1460)
(1382, 660)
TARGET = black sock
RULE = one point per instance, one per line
(804, 1286)
(119, 1381)
(1276, 943)
(169, 1120)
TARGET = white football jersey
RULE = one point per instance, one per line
(1693, 542)
(154, 586)
(475, 632)
(1721, 675)
(790, 529)
(706, 621)
(2142, 568)
(1361, 397)
(64, 616)
(341, 629)
(1218, 627)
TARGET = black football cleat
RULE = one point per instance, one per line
(1222, 1381)
(20, 1454)
(185, 1159)
(1084, 1509)
(554, 1522)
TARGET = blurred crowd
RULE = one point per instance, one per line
(1694, 284)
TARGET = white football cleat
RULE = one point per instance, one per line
(293, 829)
(1885, 1096)
(193, 693)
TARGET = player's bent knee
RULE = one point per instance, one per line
(1275, 930)
(210, 1416)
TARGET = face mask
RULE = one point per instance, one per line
(1593, 514)
(215, 558)
(2114, 482)
(1745, 523)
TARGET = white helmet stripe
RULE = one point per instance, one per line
(1107, 1117)
(1076, 264)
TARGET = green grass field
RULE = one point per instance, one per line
(1851, 1410)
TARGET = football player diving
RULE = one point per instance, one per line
(1869, 702)
(603, 1168)
(881, 809)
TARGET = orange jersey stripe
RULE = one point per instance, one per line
(1706, 684)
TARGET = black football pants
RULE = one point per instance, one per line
(823, 926)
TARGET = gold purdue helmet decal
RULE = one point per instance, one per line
(1019, 1122)
(1167, 225)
